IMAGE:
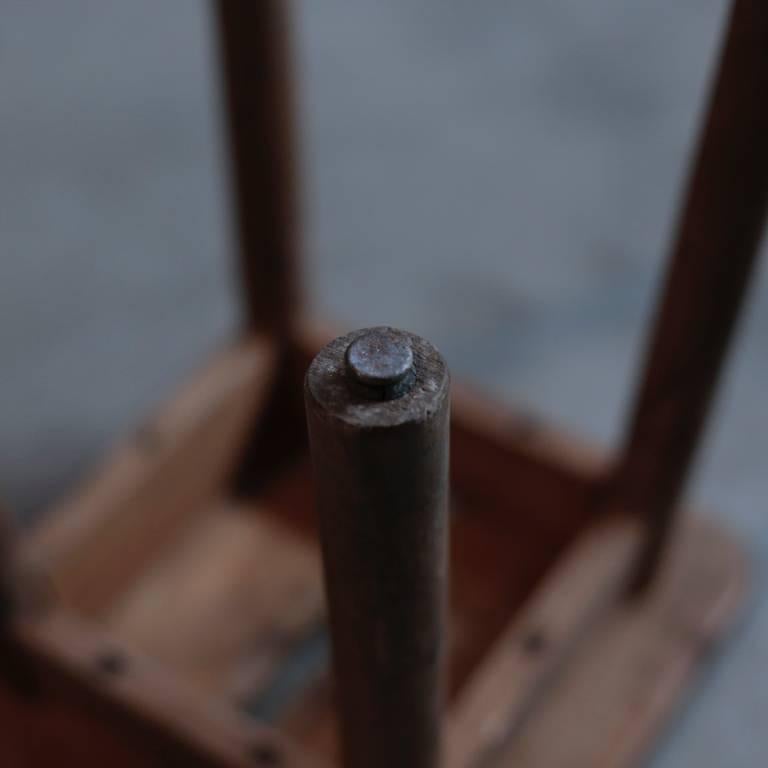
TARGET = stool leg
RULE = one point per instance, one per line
(712, 259)
(255, 57)
(377, 406)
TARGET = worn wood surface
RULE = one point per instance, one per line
(93, 544)
(223, 605)
(378, 412)
(535, 646)
(200, 595)
(101, 703)
(630, 675)
(493, 573)
(491, 438)
(231, 592)
(632, 661)
(228, 602)
(603, 709)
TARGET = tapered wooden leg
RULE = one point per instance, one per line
(378, 408)
(712, 259)
(255, 55)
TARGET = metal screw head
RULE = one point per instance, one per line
(382, 359)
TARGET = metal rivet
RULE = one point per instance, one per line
(382, 360)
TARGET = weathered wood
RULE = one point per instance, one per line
(521, 493)
(184, 575)
(550, 501)
(94, 543)
(627, 680)
(712, 258)
(378, 412)
(235, 585)
(602, 709)
(525, 658)
(228, 602)
(504, 455)
(256, 65)
(101, 702)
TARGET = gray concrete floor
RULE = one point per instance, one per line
(500, 179)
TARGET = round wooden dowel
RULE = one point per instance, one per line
(377, 405)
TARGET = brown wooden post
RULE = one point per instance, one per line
(15, 669)
(712, 258)
(256, 64)
(6, 591)
(378, 410)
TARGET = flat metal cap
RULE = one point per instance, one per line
(378, 377)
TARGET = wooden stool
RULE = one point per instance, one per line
(172, 612)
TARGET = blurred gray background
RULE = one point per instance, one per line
(498, 177)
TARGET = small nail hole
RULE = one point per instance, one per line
(534, 642)
(112, 663)
(264, 755)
